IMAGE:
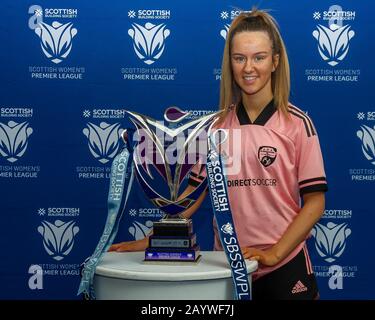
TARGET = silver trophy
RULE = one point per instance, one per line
(164, 156)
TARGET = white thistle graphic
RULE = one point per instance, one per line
(14, 139)
(367, 136)
(58, 238)
(149, 41)
(103, 140)
(333, 42)
(330, 240)
(56, 40)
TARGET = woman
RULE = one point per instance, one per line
(280, 161)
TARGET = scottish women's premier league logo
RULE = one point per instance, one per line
(149, 41)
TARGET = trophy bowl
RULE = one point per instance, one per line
(164, 154)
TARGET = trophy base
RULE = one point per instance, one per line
(174, 262)
(173, 254)
(172, 241)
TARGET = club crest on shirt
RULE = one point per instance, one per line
(267, 155)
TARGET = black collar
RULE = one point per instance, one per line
(261, 120)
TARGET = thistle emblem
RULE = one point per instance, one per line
(149, 41)
(333, 42)
(58, 237)
(56, 39)
(103, 140)
(330, 240)
(14, 139)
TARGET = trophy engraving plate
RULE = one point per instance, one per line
(172, 242)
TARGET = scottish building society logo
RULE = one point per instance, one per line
(367, 136)
(330, 240)
(14, 139)
(103, 140)
(58, 237)
(55, 38)
(149, 41)
(333, 42)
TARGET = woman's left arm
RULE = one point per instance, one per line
(297, 231)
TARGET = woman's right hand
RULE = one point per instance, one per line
(136, 245)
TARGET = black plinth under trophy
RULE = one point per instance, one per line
(173, 240)
(158, 164)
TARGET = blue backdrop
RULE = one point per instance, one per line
(69, 69)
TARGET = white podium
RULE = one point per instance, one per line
(124, 276)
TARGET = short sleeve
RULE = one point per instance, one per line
(311, 174)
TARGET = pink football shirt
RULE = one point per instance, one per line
(272, 162)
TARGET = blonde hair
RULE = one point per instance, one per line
(255, 20)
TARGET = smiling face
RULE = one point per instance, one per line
(252, 63)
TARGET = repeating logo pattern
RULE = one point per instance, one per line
(103, 140)
(14, 139)
(15, 147)
(149, 41)
(330, 240)
(58, 238)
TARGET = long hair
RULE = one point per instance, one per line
(255, 20)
